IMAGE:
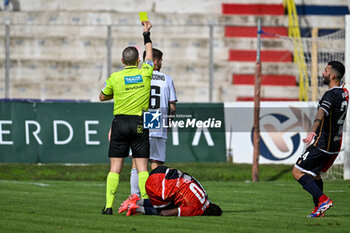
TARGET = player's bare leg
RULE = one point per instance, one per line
(155, 164)
(297, 173)
(116, 165)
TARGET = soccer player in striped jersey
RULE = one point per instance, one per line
(171, 193)
(325, 138)
(163, 98)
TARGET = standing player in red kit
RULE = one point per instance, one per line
(171, 193)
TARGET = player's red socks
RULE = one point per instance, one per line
(323, 198)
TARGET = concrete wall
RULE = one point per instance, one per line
(58, 48)
(166, 6)
(159, 6)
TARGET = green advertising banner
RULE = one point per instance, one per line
(202, 137)
(54, 132)
(61, 132)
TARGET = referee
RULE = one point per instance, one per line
(130, 89)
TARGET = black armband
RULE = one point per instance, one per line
(317, 120)
(146, 37)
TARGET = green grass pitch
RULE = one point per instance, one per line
(75, 206)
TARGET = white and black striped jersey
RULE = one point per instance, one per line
(162, 94)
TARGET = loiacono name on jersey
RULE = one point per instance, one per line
(158, 77)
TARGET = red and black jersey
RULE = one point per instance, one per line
(170, 187)
(329, 134)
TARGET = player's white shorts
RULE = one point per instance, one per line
(157, 149)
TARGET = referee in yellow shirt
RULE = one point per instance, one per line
(130, 89)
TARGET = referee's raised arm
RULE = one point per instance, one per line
(147, 40)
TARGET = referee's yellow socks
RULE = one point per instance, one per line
(143, 176)
(112, 185)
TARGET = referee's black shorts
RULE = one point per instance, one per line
(127, 132)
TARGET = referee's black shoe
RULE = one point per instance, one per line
(107, 211)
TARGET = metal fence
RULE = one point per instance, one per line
(40, 60)
(71, 61)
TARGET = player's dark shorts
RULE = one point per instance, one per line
(128, 132)
(313, 161)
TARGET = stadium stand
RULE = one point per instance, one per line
(273, 54)
(58, 49)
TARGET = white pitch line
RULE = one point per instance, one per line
(336, 191)
(90, 184)
(23, 182)
(44, 185)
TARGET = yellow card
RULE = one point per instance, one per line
(143, 16)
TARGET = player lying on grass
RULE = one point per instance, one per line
(171, 193)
